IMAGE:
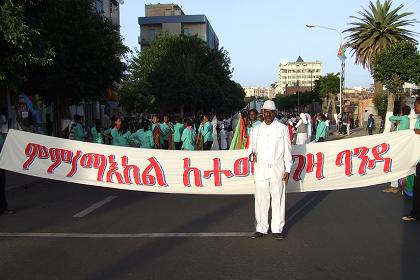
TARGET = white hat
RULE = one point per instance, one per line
(269, 105)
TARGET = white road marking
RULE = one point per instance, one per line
(95, 206)
(125, 235)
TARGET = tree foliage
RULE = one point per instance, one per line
(377, 28)
(290, 101)
(88, 50)
(182, 74)
(21, 43)
(328, 84)
(380, 101)
(396, 65)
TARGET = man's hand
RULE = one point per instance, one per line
(286, 178)
(417, 131)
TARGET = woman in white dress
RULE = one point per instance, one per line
(302, 130)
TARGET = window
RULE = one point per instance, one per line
(99, 6)
(187, 31)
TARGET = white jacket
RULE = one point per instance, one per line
(271, 144)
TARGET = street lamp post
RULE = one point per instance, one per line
(342, 64)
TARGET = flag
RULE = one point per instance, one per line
(342, 52)
(240, 137)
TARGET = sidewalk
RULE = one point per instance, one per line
(357, 132)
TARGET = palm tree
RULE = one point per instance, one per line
(376, 29)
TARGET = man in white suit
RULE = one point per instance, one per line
(270, 150)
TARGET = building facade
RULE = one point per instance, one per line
(299, 76)
(260, 92)
(170, 19)
(110, 9)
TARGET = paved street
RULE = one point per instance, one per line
(67, 231)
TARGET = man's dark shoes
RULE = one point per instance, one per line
(278, 236)
(257, 235)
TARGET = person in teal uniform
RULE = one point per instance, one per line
(120, 134)
(97, 135)
(178, 129)
(253, 116)
(415, 211)
(167, 129)
(321, 129)
(188, 136)
(77, 132)
(403, 123)
(143, 136)
(403, 120)
(207, 132)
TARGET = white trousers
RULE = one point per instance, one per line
(302, 138)
(276, 190)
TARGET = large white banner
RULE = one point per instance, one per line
(342, 164)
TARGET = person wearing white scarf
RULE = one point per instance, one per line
(302, 130)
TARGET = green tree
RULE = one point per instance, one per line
(375, 30)
(327, 87)
(184, 75)
(380, 101)
(395, 66)
(88, 51)
(21, 44)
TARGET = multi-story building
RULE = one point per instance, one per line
(110, 9)
(170, 19)
(298, 76)
(260, 92)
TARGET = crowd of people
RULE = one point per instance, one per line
(155, 133)
(203, 133)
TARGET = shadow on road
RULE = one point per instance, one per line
(301, 208)
(158, 247)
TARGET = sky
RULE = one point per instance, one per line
(260, 34)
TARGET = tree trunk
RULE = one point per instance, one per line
(379, 88)
(403, 101)
(334, 105)
(325, 104)
(389, 111)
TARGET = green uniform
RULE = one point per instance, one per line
(207, 132)
(79, 132)
(143, 138)
(119, 139)
(255, 123)
(187, 139)
(1, 142)
(97, 136)
(178, 129)
(165, 128)
(404, 122)
(417, 125)
(321, 131)
(146, 140)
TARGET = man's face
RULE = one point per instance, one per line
(252, 116)
(155, 119)
(165, 119)
(269, 116)
(417, 107)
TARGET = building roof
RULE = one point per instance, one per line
(172, 19)
(299, 59)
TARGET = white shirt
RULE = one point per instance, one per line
(366, 116)
(271, 144)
